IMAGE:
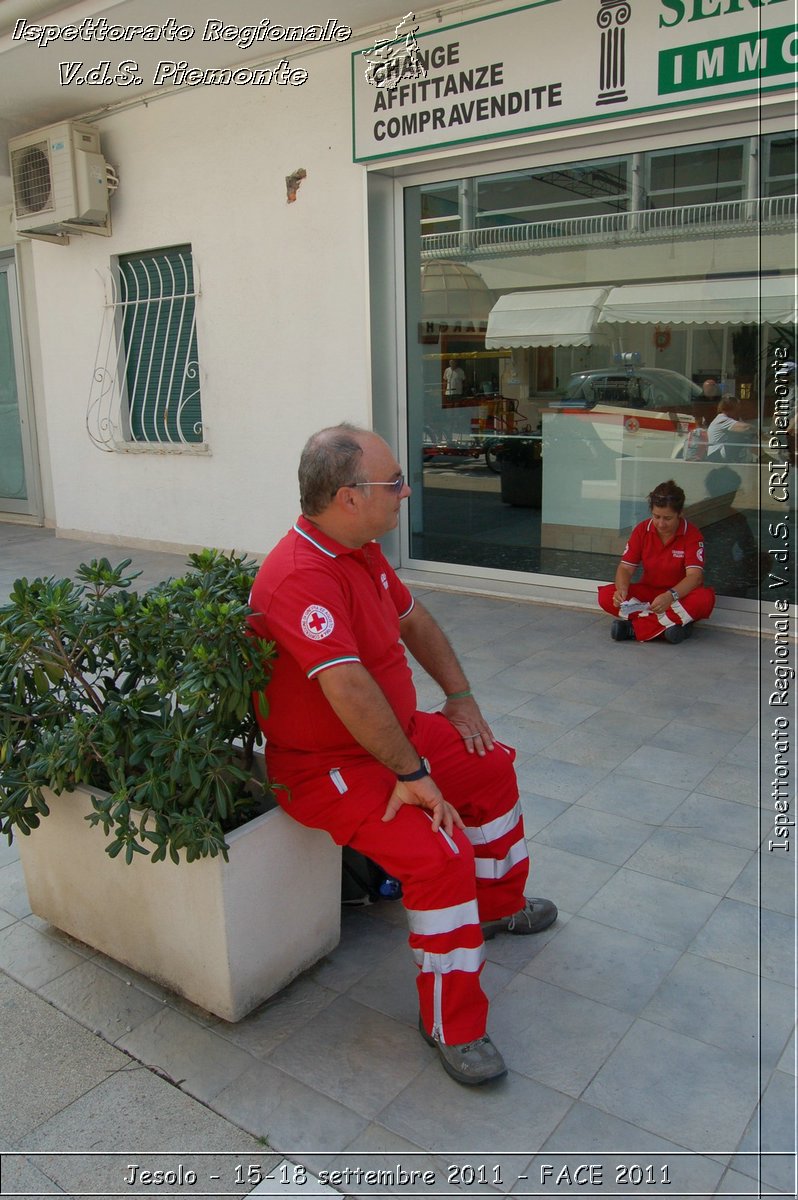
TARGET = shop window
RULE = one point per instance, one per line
(571, 405)
(156, 317)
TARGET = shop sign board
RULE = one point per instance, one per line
(563, 62)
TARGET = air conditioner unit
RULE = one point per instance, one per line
(61, 182)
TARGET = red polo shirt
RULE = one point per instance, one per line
(664, 565)
(324, 604)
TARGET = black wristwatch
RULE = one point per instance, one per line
(419, 773)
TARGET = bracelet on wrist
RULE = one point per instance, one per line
(674, 593)
(421, 771)
(460, 695)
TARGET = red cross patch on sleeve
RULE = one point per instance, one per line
(317, 622)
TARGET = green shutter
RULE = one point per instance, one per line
(161, 359)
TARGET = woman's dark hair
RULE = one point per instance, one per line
(667, 495)
(329, 461)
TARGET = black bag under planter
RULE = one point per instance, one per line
(363, 881)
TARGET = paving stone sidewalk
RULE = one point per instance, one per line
(650, 1033)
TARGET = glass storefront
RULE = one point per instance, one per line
(571, 328)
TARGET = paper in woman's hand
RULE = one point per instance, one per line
(634, 606)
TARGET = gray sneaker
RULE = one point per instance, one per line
(535, 916)
(471, 1063)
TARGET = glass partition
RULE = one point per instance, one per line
(571, 333)
(13, 483)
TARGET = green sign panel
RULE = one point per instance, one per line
(729, 60)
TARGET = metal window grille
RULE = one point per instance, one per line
(146, 381)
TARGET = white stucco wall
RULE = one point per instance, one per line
(282, 321)
(283, 317)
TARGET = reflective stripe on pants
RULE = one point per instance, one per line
(449, 884)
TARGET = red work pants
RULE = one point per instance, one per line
(695, 606)
(449, 884)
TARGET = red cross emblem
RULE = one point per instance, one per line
(317, 622)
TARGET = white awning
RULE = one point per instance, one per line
(711, 302)
(554, 318)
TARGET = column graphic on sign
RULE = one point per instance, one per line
(611, 19)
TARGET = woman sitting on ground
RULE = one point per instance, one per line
(671, 594)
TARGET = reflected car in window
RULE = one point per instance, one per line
(649, 388)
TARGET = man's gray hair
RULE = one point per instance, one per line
(330, 460)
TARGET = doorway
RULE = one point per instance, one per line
(18, 477)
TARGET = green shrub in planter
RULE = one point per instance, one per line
(144, 696)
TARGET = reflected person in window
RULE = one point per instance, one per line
(453, 379)
(671, 594)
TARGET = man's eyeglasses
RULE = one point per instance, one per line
(396, 484)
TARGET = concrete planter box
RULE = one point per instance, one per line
(224, 935)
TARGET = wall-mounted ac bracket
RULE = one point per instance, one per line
(61, 183)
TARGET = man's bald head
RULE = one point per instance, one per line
(331, 459)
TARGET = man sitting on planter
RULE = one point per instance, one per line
(432, 797)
